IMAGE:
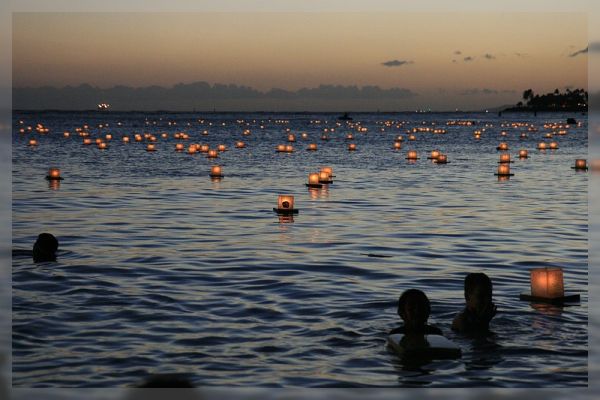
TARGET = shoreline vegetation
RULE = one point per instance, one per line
(557, 101)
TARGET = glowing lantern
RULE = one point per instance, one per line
(216, 172)
(328, 170)
(304, 135)
(291, 138)
(553, 145)
(547, 283)
(212, 154)
(442, 159)
(412, 155)
(164, 135)
(349, 136)
(33, 142)
(352, 147)
(397, 145)
(281, 148)
(523, 135)
(54, 174)
(289, 148)
(240, 145)
(151, 147)
(108, 136)
(504, 170)
(503, 133)
(523, 154)
(87, 141)
(179, 147)
(66, 134)
(285, 205)
(313, 181)
(312, 147)
(548, 136)
(434, 155)
(502, 147)
(102, 146)
(412, 137)
(324, 137)
(152, 138)
(504, 158)
(581, 164)
(205, 133)
(204, 148)
(541, 146)
(221, 147)
(138, 137)
(125, 139)
(192, 149)
(98, 140)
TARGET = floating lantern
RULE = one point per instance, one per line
(304, 135)
(164, 135)
(349, 136)
(98, 140)
(504, 170)
(312, 147)
(222, 147)
(548, 136)
(216, 172)
(281, 148)
(352, 147)
(442, 159)
(313, 180)
(179, 147)
(87, 141)
(205, 132)
(324, 137)
(285, 205)
(328, 170)
(503, 133)
(434, 155)
(33, 142)
(102, 146)
(541, 146)
(66, 134)
(399, 138)
(138, 137)
(580, 164)
(478, 136)
(502, 146)
(547, 286)
(553, 146)
(291, 138)
(108, 136)
(325, 177)
(397, 145)
(204, 148)
(125, 139)
(412, 137)
(151, 147)
(212, 154)
(523, 135)
(412, 155)
(504, 158)
(192, 149)
(289, 148)
(523, 154)
(54, 175)
(240, 145)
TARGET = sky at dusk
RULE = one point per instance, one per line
(445, 60)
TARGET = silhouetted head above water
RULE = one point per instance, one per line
(478, 290)
(414, 308)
(45, 248)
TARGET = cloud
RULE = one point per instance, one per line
(458, 52)
(396, 63)
(468, 58)
(489, 56)
(578, 52)
(475, 91)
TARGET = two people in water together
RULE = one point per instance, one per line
(414, 309)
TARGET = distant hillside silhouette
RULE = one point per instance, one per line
(571, 100)
(203, 96)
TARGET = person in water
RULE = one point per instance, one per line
(45, 248)
(479, 310)
(414, 309)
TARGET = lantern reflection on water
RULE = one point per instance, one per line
(285, 205)
(54, 175)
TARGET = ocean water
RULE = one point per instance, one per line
(162, 270)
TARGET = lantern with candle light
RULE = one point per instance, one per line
(281, 148)
(504, 170)
(32, 142)
(504, 158)
(102, 146)
(289, 148)
(434, 155)
(580, 164)
(412, 137)
(523, 135)
(547, 286)
(502, 147)
(352, 147)
(397, 145)
(179, 147)
(87, 141)
(313, 181)
(541, 146)
(442, 159)
(523, 153)
(222, 148)
(312, 147)
(125, 139)
(108, 136)
(212, 154)
(412, 155)
(204, 148)
(553, 146)
(349, 136)
(240, 145)
(216, 171)
(548, 135)
(66, 134)
(151, 147)
(329, 172)
(54, 175)
(291, 138)
(192, 149)
(325, 177)
(324, 137)
(285, 205)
